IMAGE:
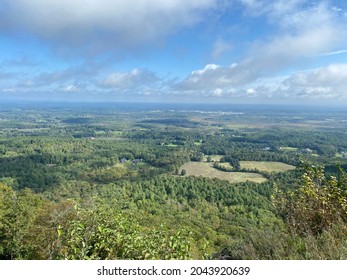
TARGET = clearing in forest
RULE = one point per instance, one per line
(268, 166)
(206, 169)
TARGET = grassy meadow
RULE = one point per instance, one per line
(267, 166)
(206, 169)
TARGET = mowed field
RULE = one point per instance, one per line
(206, 169)
(268, 166)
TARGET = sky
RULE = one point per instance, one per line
(198, 51)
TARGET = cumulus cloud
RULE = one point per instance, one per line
(303, 29)
(327, 83)
(324, 82)
(97, 25)
(301, 34)
(210, 77)
(332, 75)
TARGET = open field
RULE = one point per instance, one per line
(226, 165)
(205, 169)
(268, 166)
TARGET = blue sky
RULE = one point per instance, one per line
(214, 51)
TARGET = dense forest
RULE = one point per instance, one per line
(133, 181)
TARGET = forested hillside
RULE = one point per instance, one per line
(118, 183)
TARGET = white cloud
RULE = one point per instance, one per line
(301, 34)
(301, 29)
(324, 84)
(211, 77)
(99, 24)
(332, 75)
(332, 78)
